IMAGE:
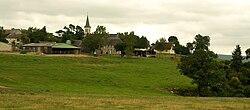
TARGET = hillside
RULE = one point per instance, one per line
(106, 82)
(97, 75)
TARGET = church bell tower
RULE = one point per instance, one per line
(87, 27)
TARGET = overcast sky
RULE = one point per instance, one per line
(227, 22)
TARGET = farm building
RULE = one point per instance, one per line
(52, 48)
(145, 52)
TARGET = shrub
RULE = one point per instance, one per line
(247, 91)
(24, 51)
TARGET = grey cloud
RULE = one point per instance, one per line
(227, 18)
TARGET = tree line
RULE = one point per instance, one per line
(91, 42)
(214, 77)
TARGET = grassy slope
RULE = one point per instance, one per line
(102, 75)
(40, 82)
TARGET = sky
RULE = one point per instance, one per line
(227, 22)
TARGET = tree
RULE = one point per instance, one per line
(202, 42)
(34, 35)
(174, 40)
(237, 59)
(3, 35)
(142, 42)
(121, 47)
(95, 41)
(247, 53)
(160, 44)
(205, 72)
(25, 36)
(131, 41)
(190, 47)
(71, 32)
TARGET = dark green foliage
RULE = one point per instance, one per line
(24, 51)
(142, 42)
(202, 42)
(212, 54)
(160, 44)
(237, 59)
(71, 32)
(213, 78)
(205, 72)
(3, 35)
(95, 41)
(247, 91)
(34, 35)
(173, 39)
(133, 41)
(180, 49)
(247, 65)
(248, 53)
(121, 47)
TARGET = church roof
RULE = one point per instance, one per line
(87, 23)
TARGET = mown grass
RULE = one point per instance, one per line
(51, 101)
(105, 82)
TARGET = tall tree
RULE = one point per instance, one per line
(131, 41)
(248, 53)
(142, 42)
(25, 36)
(95, 41)
(205, 72)
(202, 42)
(174, 40)
(160, 44)
(237, 59)
(3, 35)
(71, 32)
(121, 47)
(35, 35)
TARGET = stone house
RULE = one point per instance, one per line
(109, 49)
(13, 35)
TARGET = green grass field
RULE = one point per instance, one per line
(105, 82)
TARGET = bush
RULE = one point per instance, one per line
(24, 51)
(247, 91)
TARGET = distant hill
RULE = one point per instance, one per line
(229, 57)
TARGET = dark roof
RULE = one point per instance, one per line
(87, 23)
(113, 35)
(114, 40)
(17, 36)
(13, 31)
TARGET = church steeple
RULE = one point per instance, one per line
(87, 27)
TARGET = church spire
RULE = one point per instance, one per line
(87, 22)
(87, 27)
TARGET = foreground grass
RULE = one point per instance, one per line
(49, 101)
